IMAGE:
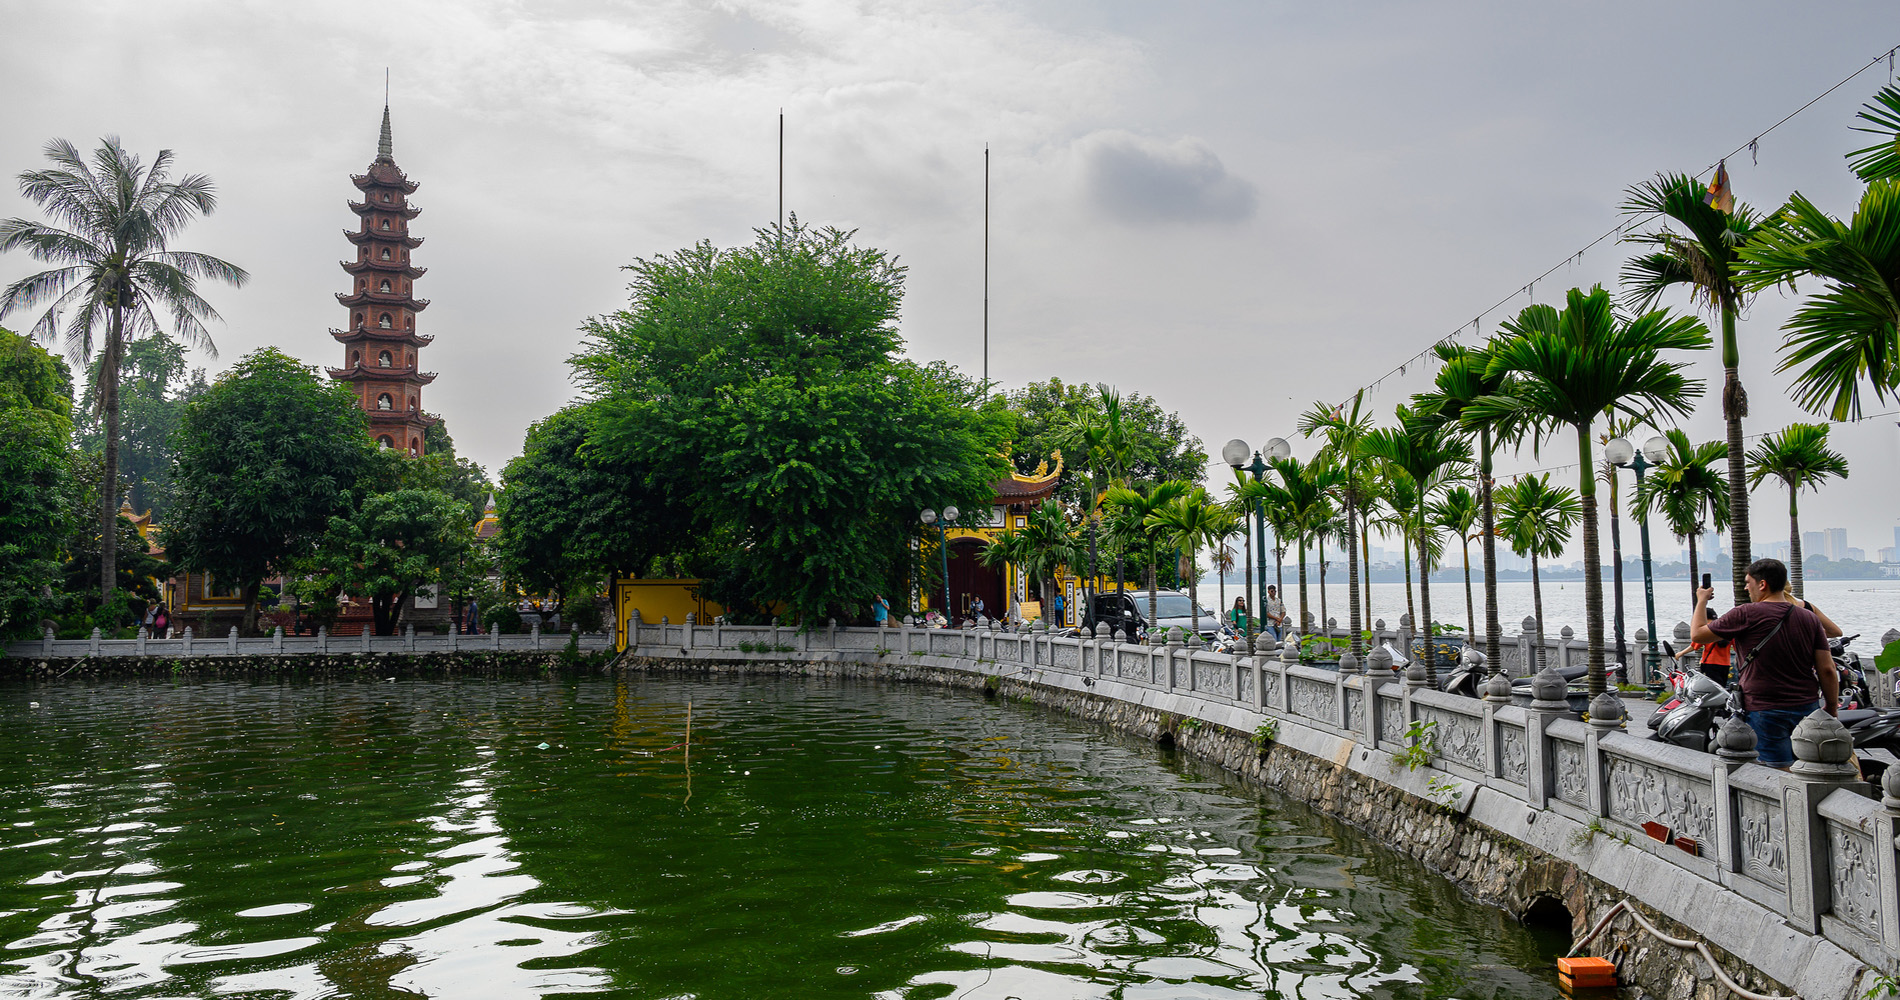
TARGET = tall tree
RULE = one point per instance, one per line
(391, 544)
(1880, 161)
(1687, 490)
(35, 425)
(153, 391)
(1702, 258)
(1304, 499)
(1536, 518)
(113, 223)
(1425, 448)
(1345, 430)
(1849, 331)
(264, 458)
(1148, 444)
(1132, 523)
(1189, 523)
(1456, 511)
(1579, 364)
(763, 388)
(1797, 455)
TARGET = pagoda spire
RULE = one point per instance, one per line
(385, 148)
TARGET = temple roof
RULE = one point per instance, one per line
(405, 417)
(401, 299)
(361, 372)
(384, 175)
(405, 209)
(362, 236)
(379, 335)
(1032, 488)
(385, 266)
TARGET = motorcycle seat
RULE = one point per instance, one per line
(1854, 716)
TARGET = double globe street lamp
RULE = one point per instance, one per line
(1234, 453)
(930, 517)
(1620, 453)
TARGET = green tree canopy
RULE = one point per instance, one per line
(152, 398)
(264, 458)
(35, 475)
(763, 387)
(1149, 444)
(393, 543)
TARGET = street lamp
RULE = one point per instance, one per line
(943, 546)
(1621, 453)
(1234, 453)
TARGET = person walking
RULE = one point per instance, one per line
(1055, 607)
(1782, 659)
(472, 625)
(880, 610)
(1273, 613)
(161, 621)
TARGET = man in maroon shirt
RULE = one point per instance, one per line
(1789, 672)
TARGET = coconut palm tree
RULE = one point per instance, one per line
(1575, 366)
(1053, 544)
(1344, 428)
(113, 223)
(1689, 493)
(1880, 161)
(1098, 437)
(1465, 377)
(1304, 487)
(1457, 512)
(1188, 523)
(1423, 447)
(1131, 524)
(1797, 455)
(1849, 331)
(1703, 259)
(1401, 498)
(1535, 518)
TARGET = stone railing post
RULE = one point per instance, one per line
(1289, 657)
(1822, 750)
(141, 641)
(1734, 746)
(1564, 635)
(187, 651)
(1548, 702)
(92, 642)
(368, 633)
(46, 643)
(534, 634)
(276, 641)
(1889, 881)
(719, 630)
(692, 622)
(494, 639)
(1378, 673)
(1533, 654)
(831, 633)
(1641, 651)
(323, 638)
(1405, 637)
(1606, 715)
(633, 628)
(1168, 654)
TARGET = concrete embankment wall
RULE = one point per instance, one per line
(1523, 809)
(502, 663)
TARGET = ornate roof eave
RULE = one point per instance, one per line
(362, 236)
(1034, 487)
(366, 373)
(382, 336)
(384, 266)
(399, 300)
(370, 208)
(364, 182)
(405, 417)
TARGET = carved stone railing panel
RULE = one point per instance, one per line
(1761, 839)
(1243, 687)
(861, 639)
(1270, 688)
(1213, 678)
(1131, 663)
(1458, 738)
(1067, 657)
(1638, 793)
(1391, 720)
(946, 642)
(1854, 886)
(1568, 776)
(1355, 710)
(1513, 753)
(1314, 700)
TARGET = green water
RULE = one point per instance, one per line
(825, 840)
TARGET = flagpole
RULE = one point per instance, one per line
(781, 173)
(986, 268)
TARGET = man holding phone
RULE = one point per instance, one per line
(1782, 654)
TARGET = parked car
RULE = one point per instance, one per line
(1172, 611)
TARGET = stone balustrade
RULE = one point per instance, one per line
(188, 646)
(1814, 848)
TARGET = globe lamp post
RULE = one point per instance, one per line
(943, 546)
(1235, 454)
(1621, 453)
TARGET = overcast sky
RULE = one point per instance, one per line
(1238, 208)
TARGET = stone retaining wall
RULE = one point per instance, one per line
(499, 663)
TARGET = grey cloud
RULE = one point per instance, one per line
(1142, 181)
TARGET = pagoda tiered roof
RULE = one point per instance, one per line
(362, 373)
(380, 335)
(384, 175)
(402, 299)
(402, 417)
(385, 266)
(362, 236)
(405, 210)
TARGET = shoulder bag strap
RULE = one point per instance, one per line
(1744, 659)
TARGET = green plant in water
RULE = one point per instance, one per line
(1420, 744)
(1265, 733)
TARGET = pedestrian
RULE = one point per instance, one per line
(161, 621)
(1782, 660)
(880, 610)
(1239, 617)
(1273, 611)
(976, 607)
(1055, 607)
(472, 624)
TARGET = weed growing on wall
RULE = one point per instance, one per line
(1420, 744)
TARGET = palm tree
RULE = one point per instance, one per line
(1880, 161)
(1100, 439)
(1189, 522)
(1457, 512)
(1617, 426)
(113, 222)
(1850, 330)
(1052, 544)
(1423, 448)
(1344, 430)
(1536, 518)
(1688, 492)
(1704, 261)
(1304, 486)
(1579, 364)
(1401, 495)
(1798, 456)
(1464, 378)
(1132, 524)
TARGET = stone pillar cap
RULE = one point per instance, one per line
(1548, 690)
(1822, 747)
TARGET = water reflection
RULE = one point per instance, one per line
(526, 839)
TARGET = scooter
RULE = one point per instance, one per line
(1689, 720)
(1470, 675)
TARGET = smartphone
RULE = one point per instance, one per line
(1708, 580)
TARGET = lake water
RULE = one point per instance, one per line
(1867, 607)
(529, 838)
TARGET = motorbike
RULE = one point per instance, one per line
(1469, 678)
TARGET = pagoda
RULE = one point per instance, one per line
(380, 344)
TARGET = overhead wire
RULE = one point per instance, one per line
(1529, 287)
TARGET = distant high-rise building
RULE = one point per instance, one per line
(1813, 543)
(1775, 550)
(1860, 554)
(1890, 554)
(1837, 543)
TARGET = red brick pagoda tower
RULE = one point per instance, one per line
(380, 345)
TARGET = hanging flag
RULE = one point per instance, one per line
(1719, 197)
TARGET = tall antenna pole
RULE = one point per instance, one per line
(781, 172)
(986, 268)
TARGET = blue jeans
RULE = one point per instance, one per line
(1772, 728)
